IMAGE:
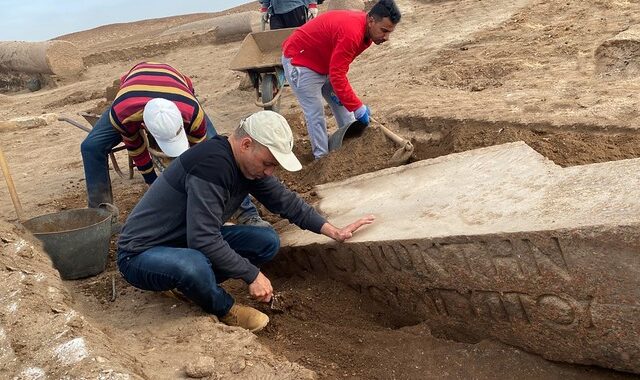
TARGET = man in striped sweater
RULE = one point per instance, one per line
(125, 119)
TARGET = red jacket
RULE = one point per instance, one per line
(327, 45)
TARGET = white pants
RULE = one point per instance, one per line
(310, 87)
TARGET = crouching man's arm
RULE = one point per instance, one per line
(345, 233)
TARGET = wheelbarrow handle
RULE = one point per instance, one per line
(270, 102)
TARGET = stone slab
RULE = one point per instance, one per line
(26, 122)
(496, 242)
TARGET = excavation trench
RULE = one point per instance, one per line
(340, 325)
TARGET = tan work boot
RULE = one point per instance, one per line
(245, 317)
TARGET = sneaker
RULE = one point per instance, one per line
(245, 317)
(255, 221)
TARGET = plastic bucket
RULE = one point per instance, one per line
(355, 129)
(77, 241)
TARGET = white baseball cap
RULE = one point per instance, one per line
(272, 130)
(163, 120)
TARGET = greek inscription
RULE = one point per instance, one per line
(515, 308)
(556, 309)
(480, 263)
(364, 260)
(549, 257)
(316, 262)
(425, 263)
(385, 296)
(387, 257)
(457, 304)
(424, 304)
(340, 260)
(489, 305)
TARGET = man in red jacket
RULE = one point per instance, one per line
(316, 59)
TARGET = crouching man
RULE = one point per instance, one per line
(175, 237)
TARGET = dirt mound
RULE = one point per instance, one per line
(471, 76)
(41, 334)
(370, 152)
(534, 62)
(48, 331)
(566, 146)
(620, 55)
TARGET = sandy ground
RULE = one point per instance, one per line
(456, 75)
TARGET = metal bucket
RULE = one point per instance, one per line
(77, 241)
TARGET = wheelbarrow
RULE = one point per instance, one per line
(260, 57)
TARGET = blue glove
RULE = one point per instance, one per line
(362, 114)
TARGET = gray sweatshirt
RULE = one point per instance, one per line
(188, 204)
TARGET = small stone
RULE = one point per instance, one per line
(201, 367)
(238, 366)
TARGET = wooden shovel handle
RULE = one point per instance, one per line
(11, 186)
(392, 136)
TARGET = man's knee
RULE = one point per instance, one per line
(194, 273)
(89, 146)
(271, 244)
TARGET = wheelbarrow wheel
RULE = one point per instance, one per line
(269, 88)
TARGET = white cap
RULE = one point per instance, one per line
(163, 120)
(272, 130)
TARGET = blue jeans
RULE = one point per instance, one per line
(191, 272)
(310, 88)
(95, 151)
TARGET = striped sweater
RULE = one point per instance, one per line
(146, 81)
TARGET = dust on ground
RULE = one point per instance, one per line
(456, 75)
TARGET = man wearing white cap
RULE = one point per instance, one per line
(155, 94)
(163, 120)
(175, 237)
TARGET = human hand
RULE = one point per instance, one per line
(312, 11)
(264, 14)
(260, 289)
(345, 233)
(362, 114)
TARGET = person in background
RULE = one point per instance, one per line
(281, 14)
(316, 59)
(176, 237)
(149, 93)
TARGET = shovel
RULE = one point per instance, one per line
(11, 187)
(403, 154)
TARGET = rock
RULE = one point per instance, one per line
(28, 121)
(201, 367)
(238, 366)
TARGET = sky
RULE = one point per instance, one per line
(39, 20)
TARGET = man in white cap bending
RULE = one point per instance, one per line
(175, 237)
(151, 94)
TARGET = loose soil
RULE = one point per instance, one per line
(457, 75)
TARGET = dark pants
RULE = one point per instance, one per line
(292, 19)
(191, 272)
(95, 151)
